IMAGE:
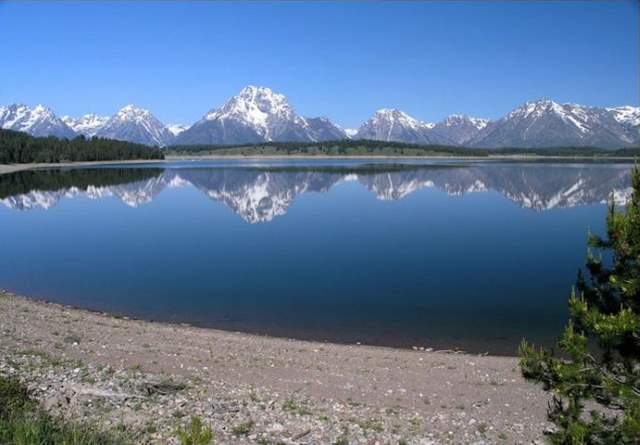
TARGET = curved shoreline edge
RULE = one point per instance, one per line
(111, 370)
(236, 332)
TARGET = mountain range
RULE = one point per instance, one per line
(257, 114)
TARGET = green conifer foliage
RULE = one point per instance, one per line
(595, 380)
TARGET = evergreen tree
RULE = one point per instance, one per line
(595, 381)
(17, 147)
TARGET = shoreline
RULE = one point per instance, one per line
(12, 168)
(439, 347)
(523, 157)
(284, 387)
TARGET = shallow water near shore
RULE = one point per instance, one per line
(443, 254)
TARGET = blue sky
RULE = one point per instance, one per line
(343, 60)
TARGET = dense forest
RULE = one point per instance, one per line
(382, 148)
(17, 148)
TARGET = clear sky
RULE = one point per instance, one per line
(341, 60)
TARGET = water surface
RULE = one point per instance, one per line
(474, 255)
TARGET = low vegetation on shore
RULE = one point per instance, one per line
(20, 148)
(24, 422)
(382, 148)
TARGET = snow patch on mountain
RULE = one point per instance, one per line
(37, 121)
(87, 125)
(350, 132)
(176, 129)
(626, 115)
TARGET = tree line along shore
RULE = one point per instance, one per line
(21, 148)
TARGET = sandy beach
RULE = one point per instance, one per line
(148, 378)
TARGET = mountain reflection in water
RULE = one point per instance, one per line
(260, 193)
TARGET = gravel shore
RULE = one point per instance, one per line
(149, 378)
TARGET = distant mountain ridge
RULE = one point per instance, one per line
(258, 114)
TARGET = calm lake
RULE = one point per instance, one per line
(442, 254)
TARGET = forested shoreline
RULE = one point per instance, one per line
(21, 148)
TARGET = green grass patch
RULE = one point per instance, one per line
(195, 434)
(242, 429)
(23, 422)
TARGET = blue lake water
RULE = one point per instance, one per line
(442, 254)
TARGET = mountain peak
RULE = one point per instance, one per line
(135, 124)
(258, 114)
(254, 90)
(131, 111)
(391, 112)
(41, 109)
(394, 114)
(264, 98)
(392, 124)
(256, 107)
(536, 108)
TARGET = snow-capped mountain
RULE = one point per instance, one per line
(257, 114)
(176, 129)
(390, 124)
(87, 125)
(545, 123)
(460, 128)
(136, 124)
(37, 121)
